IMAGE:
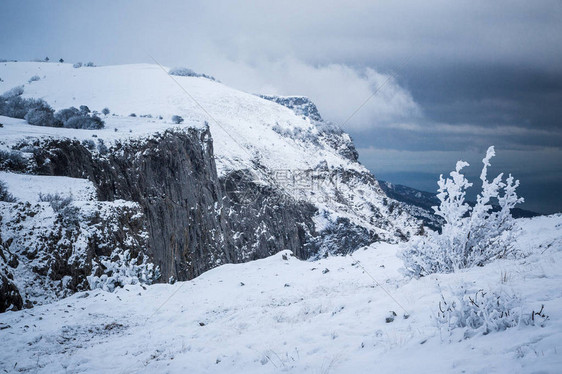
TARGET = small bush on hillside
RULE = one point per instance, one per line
(13, 105)
(182, 72)
(68, 213)
(121, 269)
(102, 148)
(37, 112)
(186, 72)
(34, 78)
(74, 118)
(16, 91)
(5, 195)
(77, 65)
(132, 115)
(89, 144)
(64, 115)
(177, 119)
(12, 160)
(484, 312)
(105, 111)
(470, 236)
(85, 122)
(58, 202)
(89, 64)
(21, 107)
(42, 115)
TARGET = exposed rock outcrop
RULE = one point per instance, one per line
(301, 105)
(10, 297)
(52, 253)
(194, 220)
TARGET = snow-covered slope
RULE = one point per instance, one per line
(284, 315)
(241, 123)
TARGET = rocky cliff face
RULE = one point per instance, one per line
(53, 250)
(185, 219)
(301, 105)
(193, 220)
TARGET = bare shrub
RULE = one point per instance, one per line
(5, 195)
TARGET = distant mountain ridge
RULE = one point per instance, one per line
(426, 200)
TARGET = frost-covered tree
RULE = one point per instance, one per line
(35, 111)
(177, 119)
(16, 91)
(186, 72)
(85, 122)
(105, 111)
(182, 72)
(41, 115)
(4, 194)
(470, 236)
(79, 118)
(64, 115)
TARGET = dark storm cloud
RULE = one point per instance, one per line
(463, 74)
(489, 95)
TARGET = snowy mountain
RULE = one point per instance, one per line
(240, 178)
(341, 314)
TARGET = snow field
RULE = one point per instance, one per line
(280, 314)
(27, 187)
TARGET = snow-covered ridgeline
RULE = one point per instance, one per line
(249, 133)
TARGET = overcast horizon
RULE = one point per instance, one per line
(446, 80)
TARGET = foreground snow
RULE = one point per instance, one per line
(282, 314)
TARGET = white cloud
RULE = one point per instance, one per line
(337, 89)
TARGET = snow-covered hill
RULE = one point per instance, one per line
(302, 156)
(241, 178)
(241, 124)
(284, 315)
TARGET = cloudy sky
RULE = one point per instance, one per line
(445, 79)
